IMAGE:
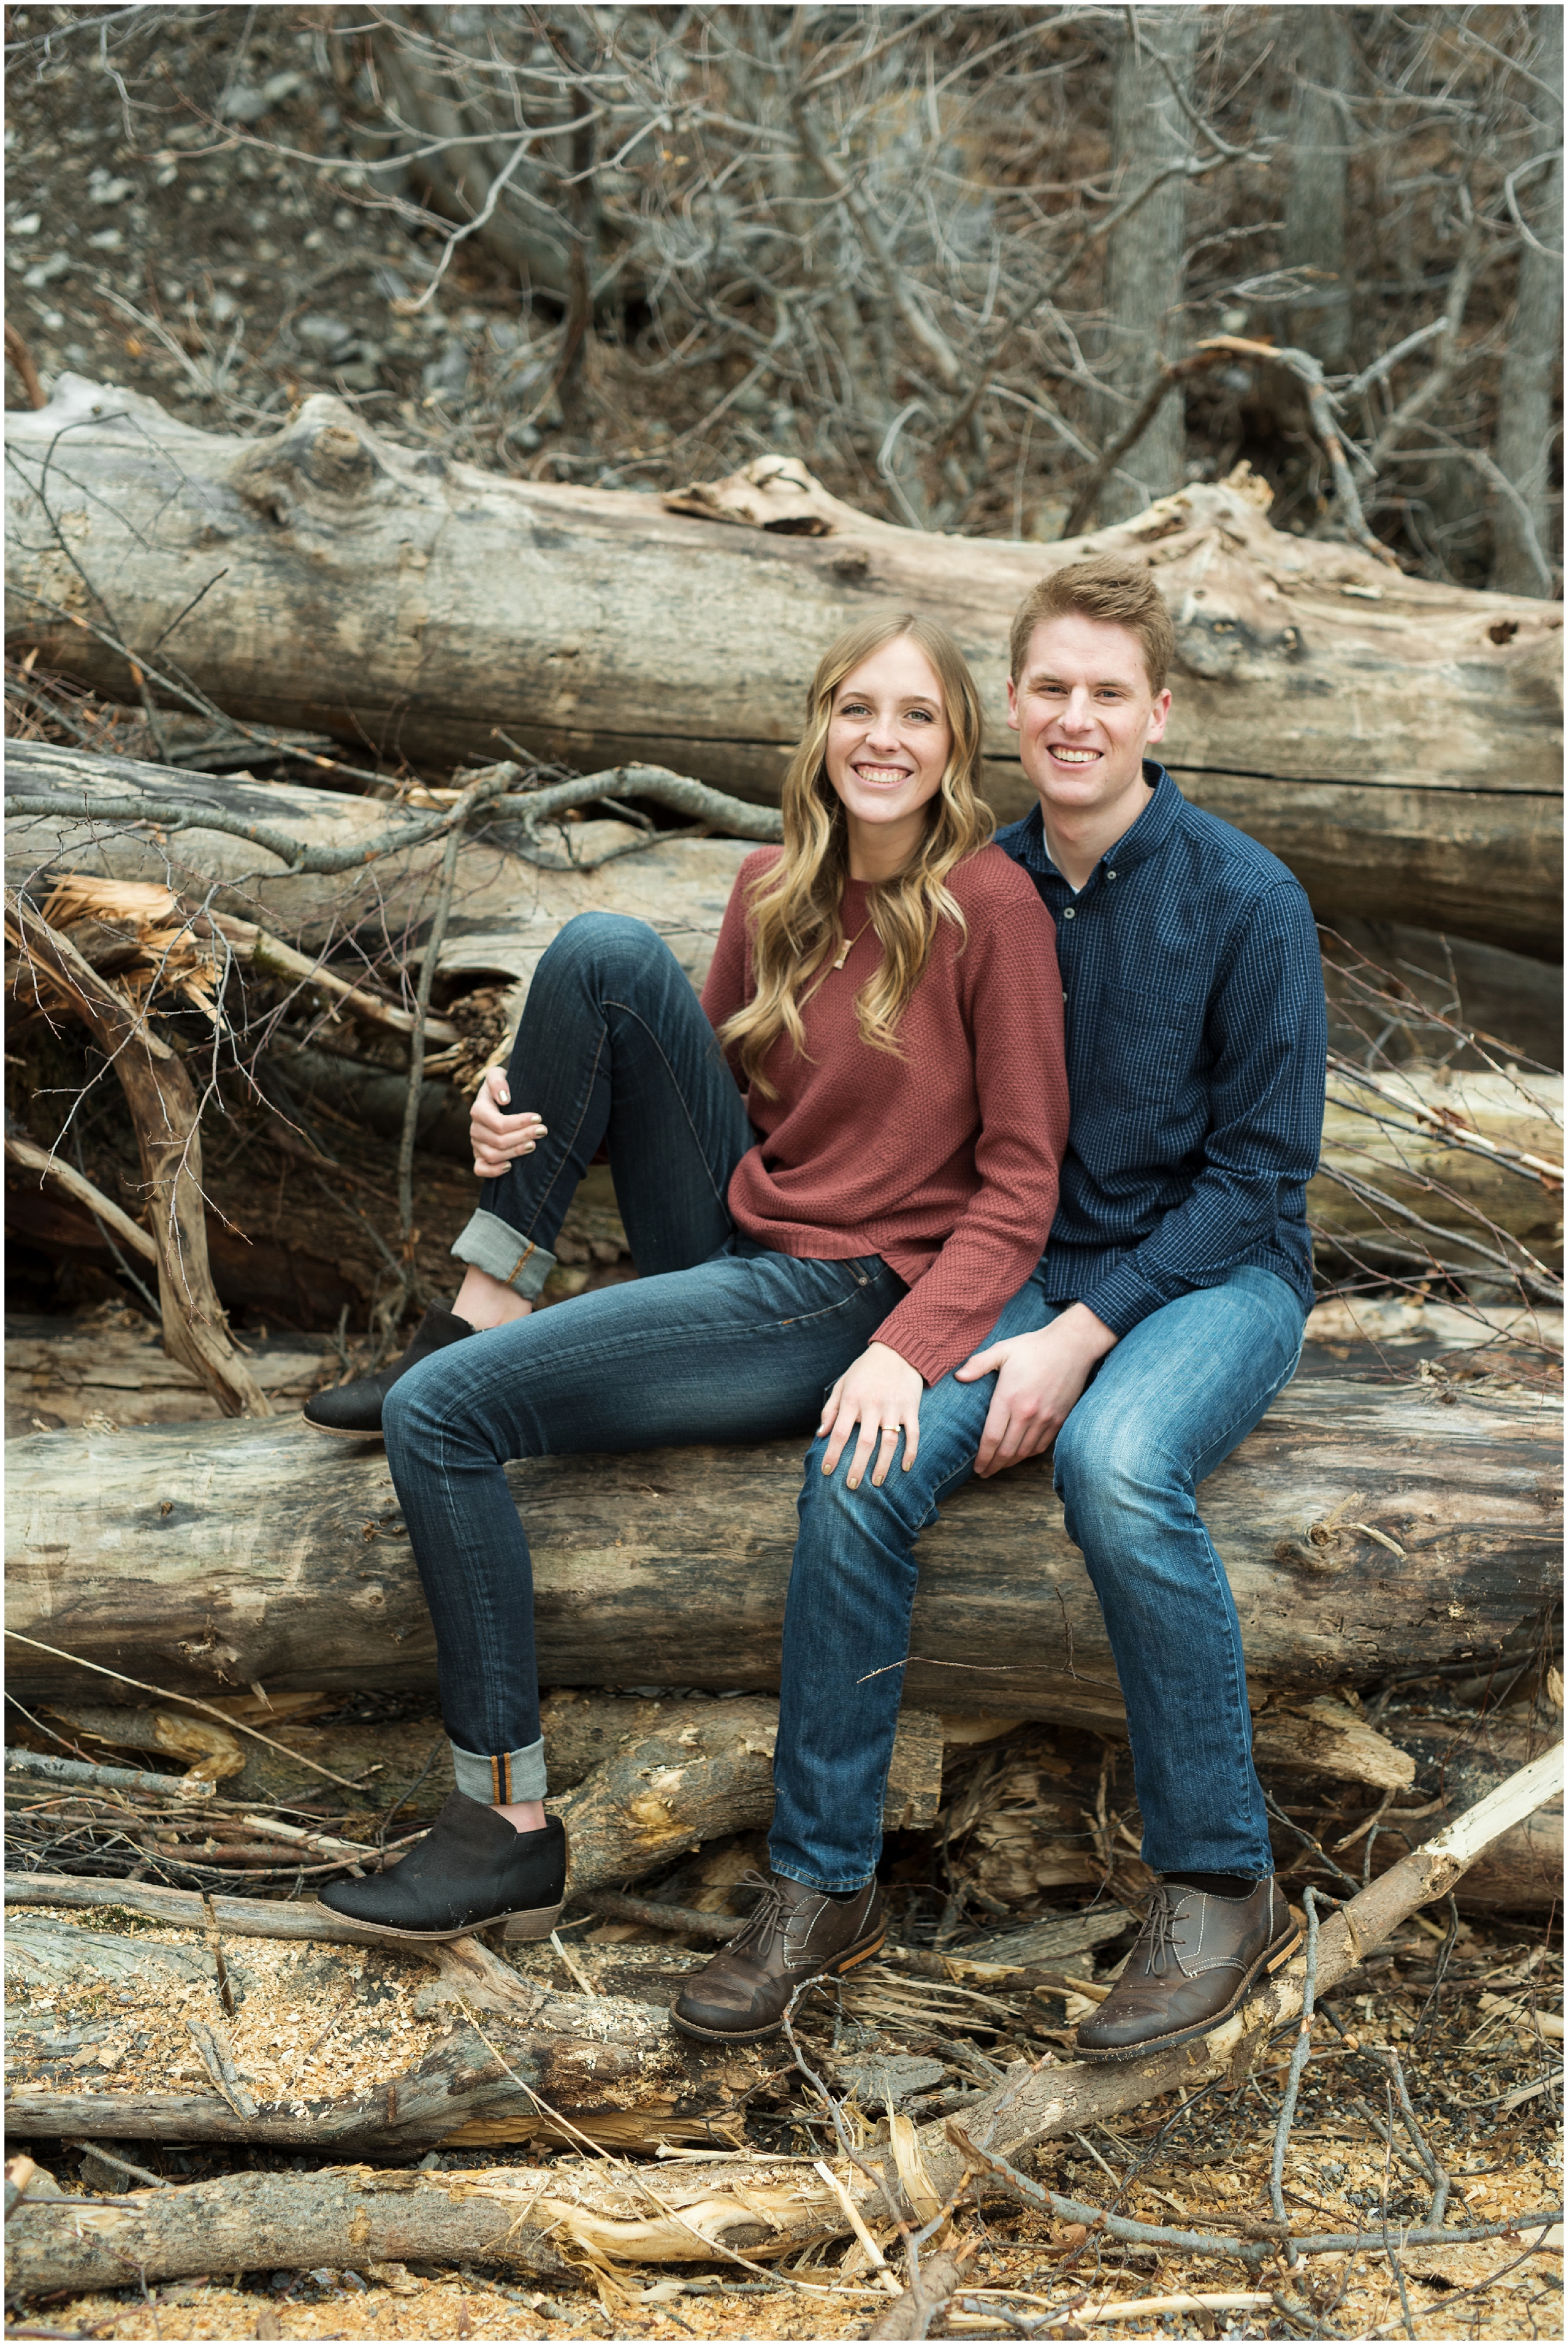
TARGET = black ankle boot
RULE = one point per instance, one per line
(355, 1410)
(471, 1870)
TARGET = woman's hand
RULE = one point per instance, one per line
(495, 1136)
(881, 1393)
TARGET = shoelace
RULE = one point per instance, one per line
(1157, 1940)
(756, 1932)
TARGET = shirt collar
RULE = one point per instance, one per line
(1146, 838)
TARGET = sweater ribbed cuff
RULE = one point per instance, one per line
(502, 1781)
(489, 1244)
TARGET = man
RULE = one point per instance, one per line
(1167, 1313)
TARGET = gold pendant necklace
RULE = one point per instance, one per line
(849, 947)
(837, 964)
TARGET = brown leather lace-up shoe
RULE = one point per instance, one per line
(1194, 1960)
(796, 1933)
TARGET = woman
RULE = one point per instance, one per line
(844, 1207)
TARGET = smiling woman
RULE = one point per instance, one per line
(836, 1174)
(895, 724)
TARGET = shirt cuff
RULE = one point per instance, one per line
(502, 1781)
(1123, 1298)
(492, 1245)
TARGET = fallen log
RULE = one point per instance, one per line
(1366, 1529)
(505, 909)
(336, 2045)
(1478, 1156)
(1392, 739)
(613, 2215)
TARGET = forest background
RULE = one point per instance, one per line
(941, 254)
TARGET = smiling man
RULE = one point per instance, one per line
(1174, 1289)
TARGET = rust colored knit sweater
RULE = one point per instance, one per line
(944, 1161)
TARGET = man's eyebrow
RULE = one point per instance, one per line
(1049, 675)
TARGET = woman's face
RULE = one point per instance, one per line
(888, 743)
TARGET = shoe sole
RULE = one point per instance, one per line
(341, 1432)
(1266, 1963)
(849, 1960)
(513, 1927)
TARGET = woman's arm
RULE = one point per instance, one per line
(1013, 1009)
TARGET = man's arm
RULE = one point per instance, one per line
(1268, 1028)
(1268, 1031)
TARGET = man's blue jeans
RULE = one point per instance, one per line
(1163, 1410)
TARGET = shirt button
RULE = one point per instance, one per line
(1068, 913)
(1111, 875)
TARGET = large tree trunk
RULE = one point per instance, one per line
(1364, 1528)
(1525, 555)
(1151, 139)
(1391, 739)
(506, 907)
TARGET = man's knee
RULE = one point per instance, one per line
(1108, 1467)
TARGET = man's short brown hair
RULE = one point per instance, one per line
(1120, 592)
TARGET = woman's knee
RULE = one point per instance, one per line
(834, 1517)
(404, 1419)
(418, 1411)
(605, 948)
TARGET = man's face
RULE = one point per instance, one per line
(1084, 713)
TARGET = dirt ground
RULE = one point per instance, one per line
(1481, 2052)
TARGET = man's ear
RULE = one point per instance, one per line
(1012, 705)
(1157, 721)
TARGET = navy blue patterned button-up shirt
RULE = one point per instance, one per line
(1196, 1038)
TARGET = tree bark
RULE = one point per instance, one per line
(1315, 188)
(221, 1555)
(1524, 553)
(1391, 739)
(166, 1114)
(1145, 270)
(613, 2215)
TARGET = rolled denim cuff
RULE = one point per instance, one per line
(489, 1244)
(501, 1783)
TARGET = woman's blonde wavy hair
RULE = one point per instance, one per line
(796, 929)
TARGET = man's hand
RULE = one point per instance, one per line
(1042, 1377)
(881, 1393)
(495, 1136)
